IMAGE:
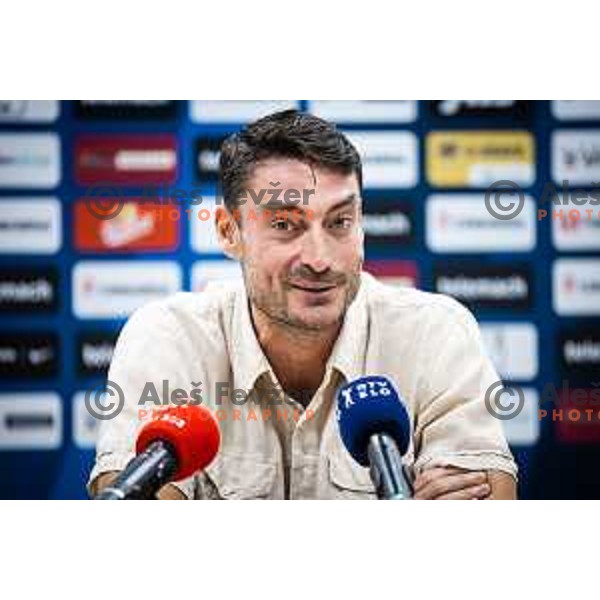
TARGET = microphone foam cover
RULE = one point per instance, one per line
(368, 406)
(191, 430)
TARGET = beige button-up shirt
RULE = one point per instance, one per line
(271, 447)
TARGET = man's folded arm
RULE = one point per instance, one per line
(503, 486)
(454, 429)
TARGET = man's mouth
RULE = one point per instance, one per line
(315, 288)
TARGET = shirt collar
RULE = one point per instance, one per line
(349, 352)
(251, 361)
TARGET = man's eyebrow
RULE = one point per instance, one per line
(349, 200)
(279, 205)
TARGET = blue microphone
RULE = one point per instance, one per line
(375, 428)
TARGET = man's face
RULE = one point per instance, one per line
(304, 270)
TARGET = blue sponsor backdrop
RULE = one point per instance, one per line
(551, 466)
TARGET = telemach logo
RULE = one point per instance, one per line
(384, 226)
(28, 290)
(580, 351)
(486, 287)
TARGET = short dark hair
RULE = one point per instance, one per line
(285, 134)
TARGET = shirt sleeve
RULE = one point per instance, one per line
(453, 426)
(151, 350)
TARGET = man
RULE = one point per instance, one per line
(306, 320)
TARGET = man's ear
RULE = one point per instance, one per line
(229, 234)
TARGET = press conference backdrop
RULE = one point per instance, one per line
(68, 280)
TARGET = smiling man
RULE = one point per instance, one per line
(306, 320)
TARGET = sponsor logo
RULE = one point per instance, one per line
(365, 111)
(576, 110)
(85, 425)
(214, 272)
(30, 421)
(577, 420)
(136, 227)
(28, 289)
(518, 109)
(236, 111)
(512, 348)
(30, 226)
(478, 159)
(462, 223)
(28, 355)
(386, 226)
(208, 151)
(575, 234)
(125, 110)
(390, 158)
(29, 160)
(580, 351)
(94, 352)
(28, 111)
(203, 234)
(126, 159)
(524, 428)
(486, 286)
(401, 273)
(576, 157)
(576, 286)
(114, 289)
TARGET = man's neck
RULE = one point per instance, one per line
(298, 356)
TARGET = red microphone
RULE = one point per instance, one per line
(179, 441)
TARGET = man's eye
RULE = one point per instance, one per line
(281, 224)
(343, 222)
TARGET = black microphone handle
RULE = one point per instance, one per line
(144, 475)
(387, 471)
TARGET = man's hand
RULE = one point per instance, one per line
(451, 483)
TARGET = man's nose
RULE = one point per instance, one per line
(316, 251)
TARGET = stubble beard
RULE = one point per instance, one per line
(275, 307)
